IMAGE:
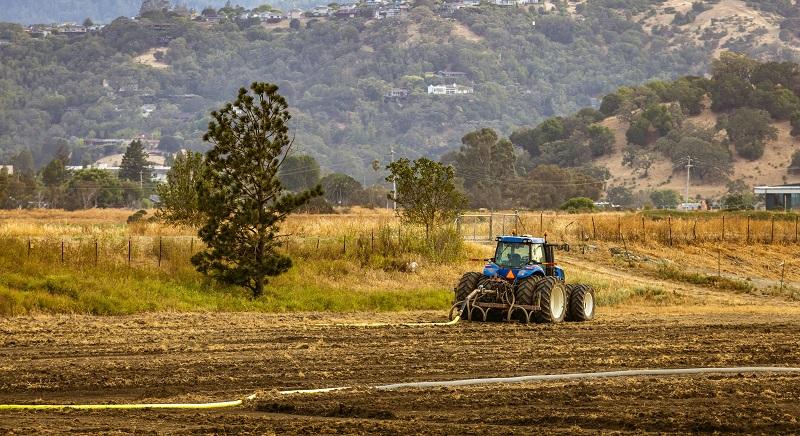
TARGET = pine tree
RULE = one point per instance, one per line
(241, 195)
(134, 163)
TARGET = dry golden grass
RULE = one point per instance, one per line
(358, 261)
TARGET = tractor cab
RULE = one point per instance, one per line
(518, 257)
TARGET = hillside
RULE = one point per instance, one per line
(161, 75)
(770, 169)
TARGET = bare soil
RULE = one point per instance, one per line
(212, 357)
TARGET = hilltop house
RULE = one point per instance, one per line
(449, 89)
(8, 168)
(450, 74)
(396, 94)
(320, 11)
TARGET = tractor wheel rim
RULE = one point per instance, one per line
(557, 303)
(588, 304)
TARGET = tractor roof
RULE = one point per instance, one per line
(524, 239)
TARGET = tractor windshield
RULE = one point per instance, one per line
(517, 254)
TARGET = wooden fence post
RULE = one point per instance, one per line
(594, 230)
(748, 229)
(541, 222)
(643, 231)
(129, 251)
(372, 241)
(619, 228)
(96, 253)
(723, 228)
(191, 246)
(772, 231)
(159, 251)
(694, 231)
(795, 229)
(669, 223)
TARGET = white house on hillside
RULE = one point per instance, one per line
(449, 89)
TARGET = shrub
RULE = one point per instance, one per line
(576, 204)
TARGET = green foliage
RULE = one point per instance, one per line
(610, 104)
(54, 174)
(780, 103)
(486, 165)
(621, 196)
(601, 140)
(426, 192)
(730, 86)
(299, 173)
(639, 132)
(795, 123)
(134, 165)
(242, 196)
(748, 129)
(94, 188)
(178, 197)
(794, 165)
(711, 158)
(578, 204)
(137, 216)
(341, 189)
(665, 199)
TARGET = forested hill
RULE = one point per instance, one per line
(159, 76)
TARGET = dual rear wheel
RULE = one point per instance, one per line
(557, 302)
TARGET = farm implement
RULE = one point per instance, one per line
(522, 282)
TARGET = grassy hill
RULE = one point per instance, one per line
(770, 169)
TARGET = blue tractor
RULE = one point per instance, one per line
(522, 282)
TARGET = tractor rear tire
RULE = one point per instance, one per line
(524, 295)
(467, 284)
(581, 303)
(551, 294)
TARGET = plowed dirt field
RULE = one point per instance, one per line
(213, 357)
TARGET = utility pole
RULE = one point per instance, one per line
(394, 183)
(688, 176)
(141, 179)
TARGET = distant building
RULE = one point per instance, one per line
(781, 197)
(8, 168)
(451, 74)
(693, 206)
(449, 89)
(320, 11)
(396, 94)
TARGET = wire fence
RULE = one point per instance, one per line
(175, 251)
(616, 227)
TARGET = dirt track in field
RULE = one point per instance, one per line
(211, 357)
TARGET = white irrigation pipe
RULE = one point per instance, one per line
(424, 385)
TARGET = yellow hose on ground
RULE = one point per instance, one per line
(215, 405)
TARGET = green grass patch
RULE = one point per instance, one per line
(611, 292)
(30, 287)
(668, 272)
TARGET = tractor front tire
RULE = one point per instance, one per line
(467, 284)
(581, 303)
(551, 294)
